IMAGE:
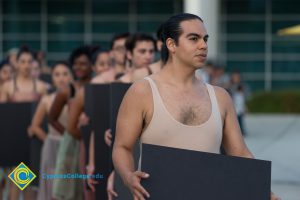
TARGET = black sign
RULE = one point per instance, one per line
(183, 174)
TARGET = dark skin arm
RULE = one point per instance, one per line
(76, 109)
(59, 102)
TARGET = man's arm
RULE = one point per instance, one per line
(129, 127)
(233, 140)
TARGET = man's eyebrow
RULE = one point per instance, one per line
(192, 34)
(196, 35)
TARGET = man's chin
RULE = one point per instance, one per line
(200, 66)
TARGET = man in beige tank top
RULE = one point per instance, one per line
(173, 97)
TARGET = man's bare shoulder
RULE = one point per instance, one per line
(223, 97)
(221, 92)
(138, 97)
(140, 88)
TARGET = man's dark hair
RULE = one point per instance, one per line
(117, 37)
(87, 50)
(172, 29)
(24, 50)
(138, 37)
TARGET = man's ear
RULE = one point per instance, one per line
(171, 44)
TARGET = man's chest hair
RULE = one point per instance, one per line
(193, 114)
(189, 111)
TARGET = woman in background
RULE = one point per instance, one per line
(6, 73)
(68, 152)
(22, 88)
(61, 77)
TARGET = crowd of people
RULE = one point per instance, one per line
(131, 58)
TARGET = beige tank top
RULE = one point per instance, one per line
(165, 130)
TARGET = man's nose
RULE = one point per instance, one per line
(202, 44)
(149, 55)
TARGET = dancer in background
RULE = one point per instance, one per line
(61, 77)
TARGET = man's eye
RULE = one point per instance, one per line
(194, 38)
(205, 38)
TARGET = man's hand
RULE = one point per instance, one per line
(133, 180)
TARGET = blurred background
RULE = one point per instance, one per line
(247, 36)
(257, 40)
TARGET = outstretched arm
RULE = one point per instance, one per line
(129, 127)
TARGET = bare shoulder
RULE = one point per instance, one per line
(8, 85)
(42, 86)
(7, 88)
(139, 89)
(223, 97)
(98, 79)
(47, 100)
(138, 97)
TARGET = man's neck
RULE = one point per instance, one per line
(179, 74)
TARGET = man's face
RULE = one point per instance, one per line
(142, 55)
(191, 49)
(118, 51)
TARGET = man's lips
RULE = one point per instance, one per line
(201, 56)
